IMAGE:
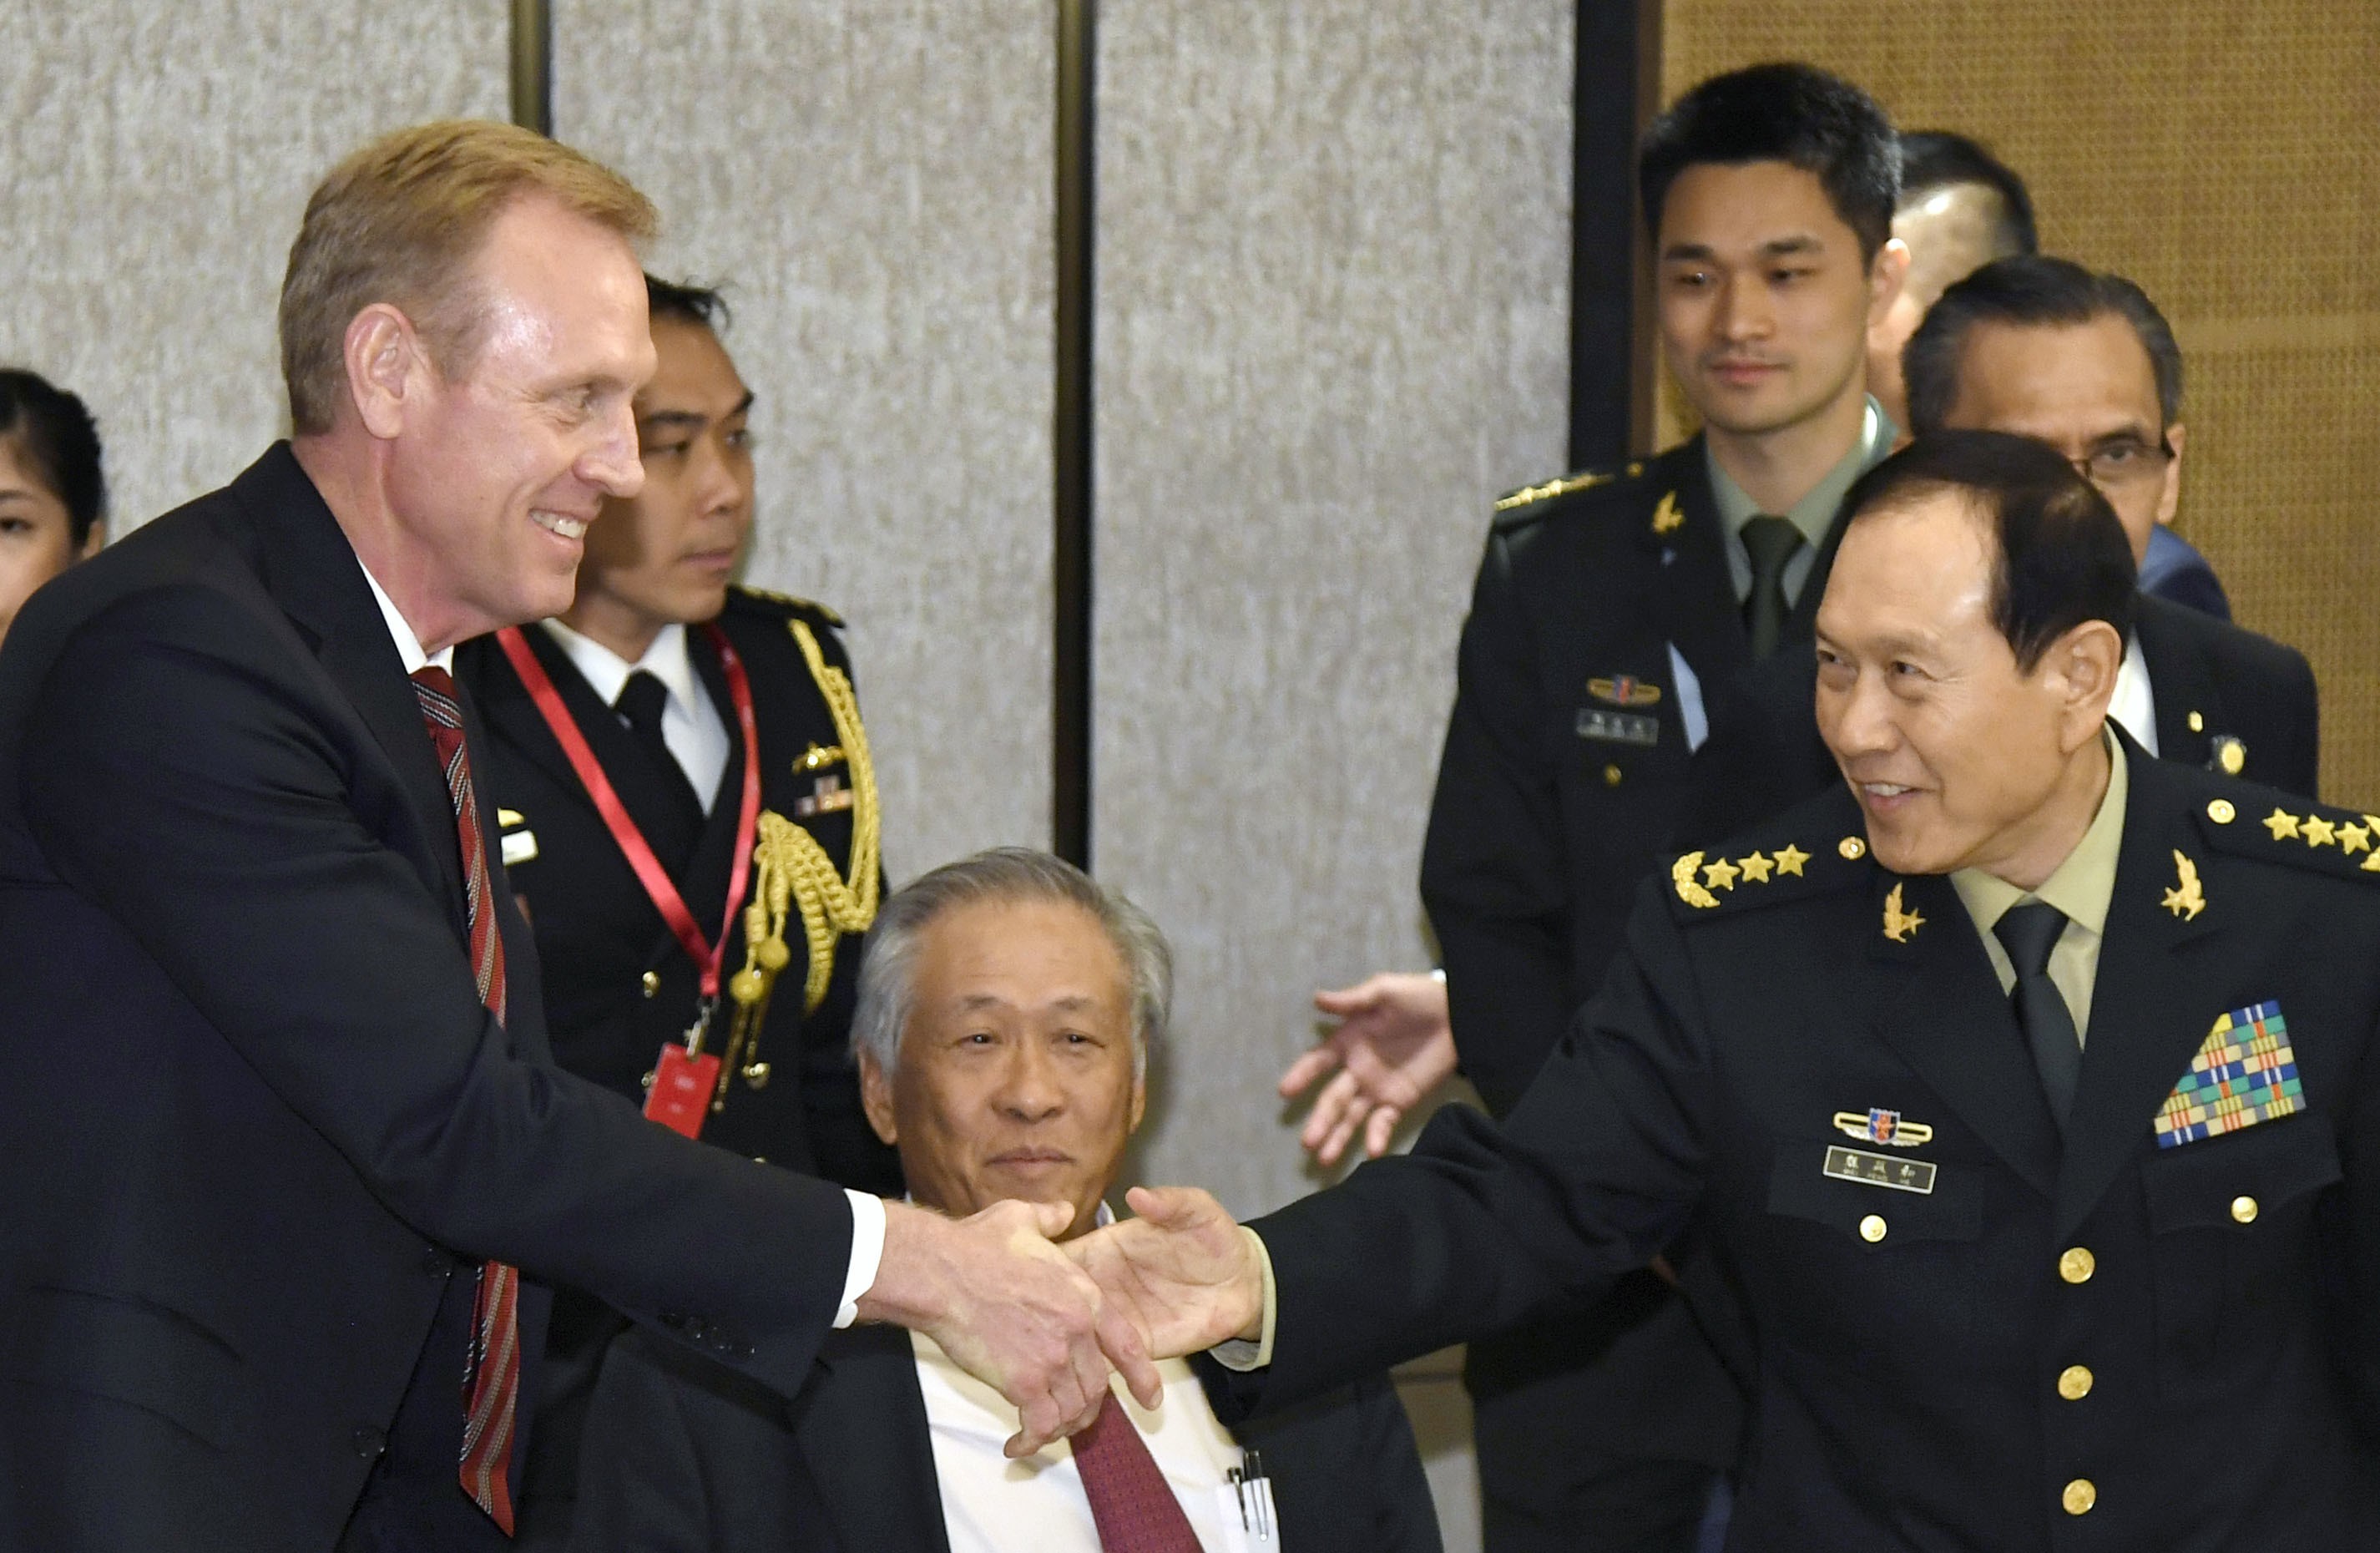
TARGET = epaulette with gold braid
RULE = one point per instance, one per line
(787, 601)
(2251, 822)
(1531, 502)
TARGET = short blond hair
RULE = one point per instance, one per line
(400, 221)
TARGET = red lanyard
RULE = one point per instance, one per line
(707, 957)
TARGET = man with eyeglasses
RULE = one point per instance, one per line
(2046, 348)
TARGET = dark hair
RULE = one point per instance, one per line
(2031, 290)
(1794, 114)
(687, 304)
(2061, 557)
(54, 434)
(1932, 159)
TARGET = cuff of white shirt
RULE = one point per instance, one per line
(867, 1253)
(1239, 1354)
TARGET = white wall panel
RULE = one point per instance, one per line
(157, 159)
(870, 180)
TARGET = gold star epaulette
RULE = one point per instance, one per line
(784, 604)
(2256, 822)
(1516, 508)
(1702, 885)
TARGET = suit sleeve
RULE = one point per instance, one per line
(1483, 1225)
(1495, 874)
(180, 775)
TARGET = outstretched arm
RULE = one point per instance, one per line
(1392, 1049)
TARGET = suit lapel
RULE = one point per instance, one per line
(706, 873)
(311, 570)
(863, 1430)
(2154, 998)
(1695, 597)
(2181, 683)
(1939, 1006)
(623, 760)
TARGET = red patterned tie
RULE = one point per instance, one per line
(492, 1377)
(1131, 1503)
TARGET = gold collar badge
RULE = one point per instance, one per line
(2185, 899)
(1900, 925)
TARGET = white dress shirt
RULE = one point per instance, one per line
(867, 1212)
(691, 725)
(1036, 1505)
(2135, 702)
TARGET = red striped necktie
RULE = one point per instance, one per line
(1132, 1504)
(492, 1377)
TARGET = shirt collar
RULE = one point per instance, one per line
(408, 645)
(1814, 515)
(606, 671)
(2080, 887)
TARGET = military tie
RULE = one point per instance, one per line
(641, 703)
(1131, 1503)
(2029, 933)
(491, 1375)
(1771, 542)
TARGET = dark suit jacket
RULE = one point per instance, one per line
(598, 936)
(1557, 790)
(261, 1109)
(683, 1458)
(600, 942)
(2175, 570)
(1912, 1345)
(2214, 683)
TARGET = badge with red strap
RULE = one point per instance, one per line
(684, 1075)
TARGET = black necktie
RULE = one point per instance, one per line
(1770, 541)
(2029, 933)
(639, 706)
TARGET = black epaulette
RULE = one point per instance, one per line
(1786, 862)
(763, 600)
(2249, 821)
(1534, 504)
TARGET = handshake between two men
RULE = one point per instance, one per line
(1044, 1320)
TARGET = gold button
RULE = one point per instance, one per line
(652, 983)
(2232, 758)
(2220, 811)
(2077, 1266)
(1872, 1228)
(2074, 1382)
(2243, 1210)
(1611, 776)
(2080, 1496)
(1852, 848)
(2197, 724)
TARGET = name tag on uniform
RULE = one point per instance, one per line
(1619, 727)
(1877, 1170)
(521, 846)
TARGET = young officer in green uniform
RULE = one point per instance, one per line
(1611, 608)
(2028, 1089)
(699, 903)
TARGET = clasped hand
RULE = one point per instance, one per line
(1043, 1323)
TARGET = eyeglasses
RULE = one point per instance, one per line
(2124, 463)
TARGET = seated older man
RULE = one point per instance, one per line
(1006, 1008)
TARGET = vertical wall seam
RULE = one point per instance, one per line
(1070, 720)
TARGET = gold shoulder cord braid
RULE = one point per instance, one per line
(791, 873)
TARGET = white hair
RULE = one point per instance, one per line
(888, 967)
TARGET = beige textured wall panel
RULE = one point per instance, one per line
(871, 181)
(1333, 268)
(2221, 152)
(157, 159)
